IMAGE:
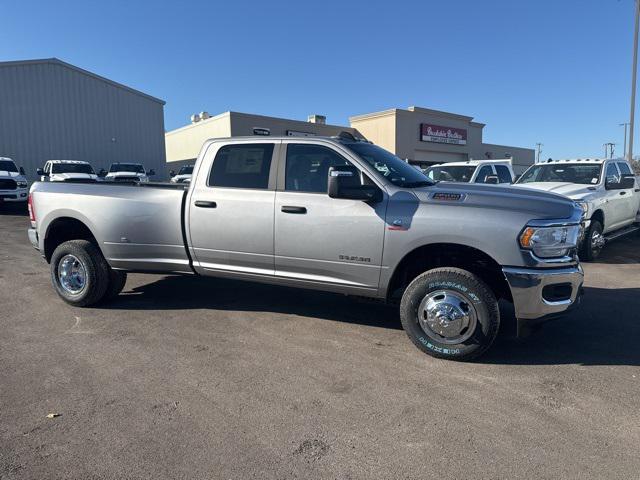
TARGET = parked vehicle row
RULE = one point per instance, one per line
(606, 190)
(333, 214)
(13, 182)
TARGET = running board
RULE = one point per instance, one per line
(622, 233)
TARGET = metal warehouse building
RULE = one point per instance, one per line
(51, 110)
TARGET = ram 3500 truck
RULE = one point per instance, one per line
(333, 214)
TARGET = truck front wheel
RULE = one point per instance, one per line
(79, 273)
(450, 313)
(593, 242)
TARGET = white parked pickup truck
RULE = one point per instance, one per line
(473, 171)
(606, 190)
(67, 171)
(128, 172)
(13, 183)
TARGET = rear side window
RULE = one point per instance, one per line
(503, 174)
(242, 166)
(308, 166)
(624, 168)
(483, 174)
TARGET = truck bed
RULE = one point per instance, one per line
(138, 226)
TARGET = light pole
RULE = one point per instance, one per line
(625, 125)
(538, 147)
(608, 146)
(633, 81)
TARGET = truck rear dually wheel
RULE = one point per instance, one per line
(450, 313)
(79, 273)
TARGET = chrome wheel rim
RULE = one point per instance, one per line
(72, 275)
(447, 316)
(597, 240)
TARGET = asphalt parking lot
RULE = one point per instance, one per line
(204, 378)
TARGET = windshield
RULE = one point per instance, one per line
(72, 168)
(562, 172)
(462, 173)
(390, 167)
(186, 170)
(127, 167)
(7, 166)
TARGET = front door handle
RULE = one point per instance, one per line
(205, 204)
(290, 209)
(623, 193)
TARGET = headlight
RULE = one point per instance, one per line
(22, 184)
(584, 206)
(550, 242)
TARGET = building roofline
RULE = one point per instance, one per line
(506, 146)
(230, 113)
(414, 109)
(57, 61)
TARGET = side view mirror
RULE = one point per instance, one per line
(40, 172)
(614, 183)
(172, 173)
(151, 172)
(492, 179)
(22, 171)
(344, 182)
(102, 173)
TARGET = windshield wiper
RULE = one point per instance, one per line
(420, 183)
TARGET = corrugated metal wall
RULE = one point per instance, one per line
(50, 111)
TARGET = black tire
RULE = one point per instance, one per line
(477, 296)
(117, 280)
(96, 272)
(587, 252)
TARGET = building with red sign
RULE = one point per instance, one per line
(426, 137)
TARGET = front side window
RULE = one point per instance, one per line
(612, 174)
(504, 175)
(72, 168)
(8, 166)
(307, 167)
(483, 174)
(242, 166)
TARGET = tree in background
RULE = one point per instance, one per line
(635, 164)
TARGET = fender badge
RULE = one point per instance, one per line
(447, 197)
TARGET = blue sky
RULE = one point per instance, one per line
(554, 71)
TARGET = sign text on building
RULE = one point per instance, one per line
(440, 134)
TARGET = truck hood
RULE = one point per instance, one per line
(575, 191)
(14, 175)
(180, 178)
(537, 204)
(125, 174)
(62, 177)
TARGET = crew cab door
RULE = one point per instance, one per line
(230, 209)
(323, 240)
(631, 196)
(615, 206)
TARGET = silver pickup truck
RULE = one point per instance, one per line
(333, 214)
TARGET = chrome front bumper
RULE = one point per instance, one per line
(539, 293)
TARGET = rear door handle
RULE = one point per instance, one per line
(290, 209)
(623, 193)
(205, 204)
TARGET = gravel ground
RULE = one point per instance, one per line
(204, 378)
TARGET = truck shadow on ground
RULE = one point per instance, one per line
(14, 208)
(621, 251)
(604, 330)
